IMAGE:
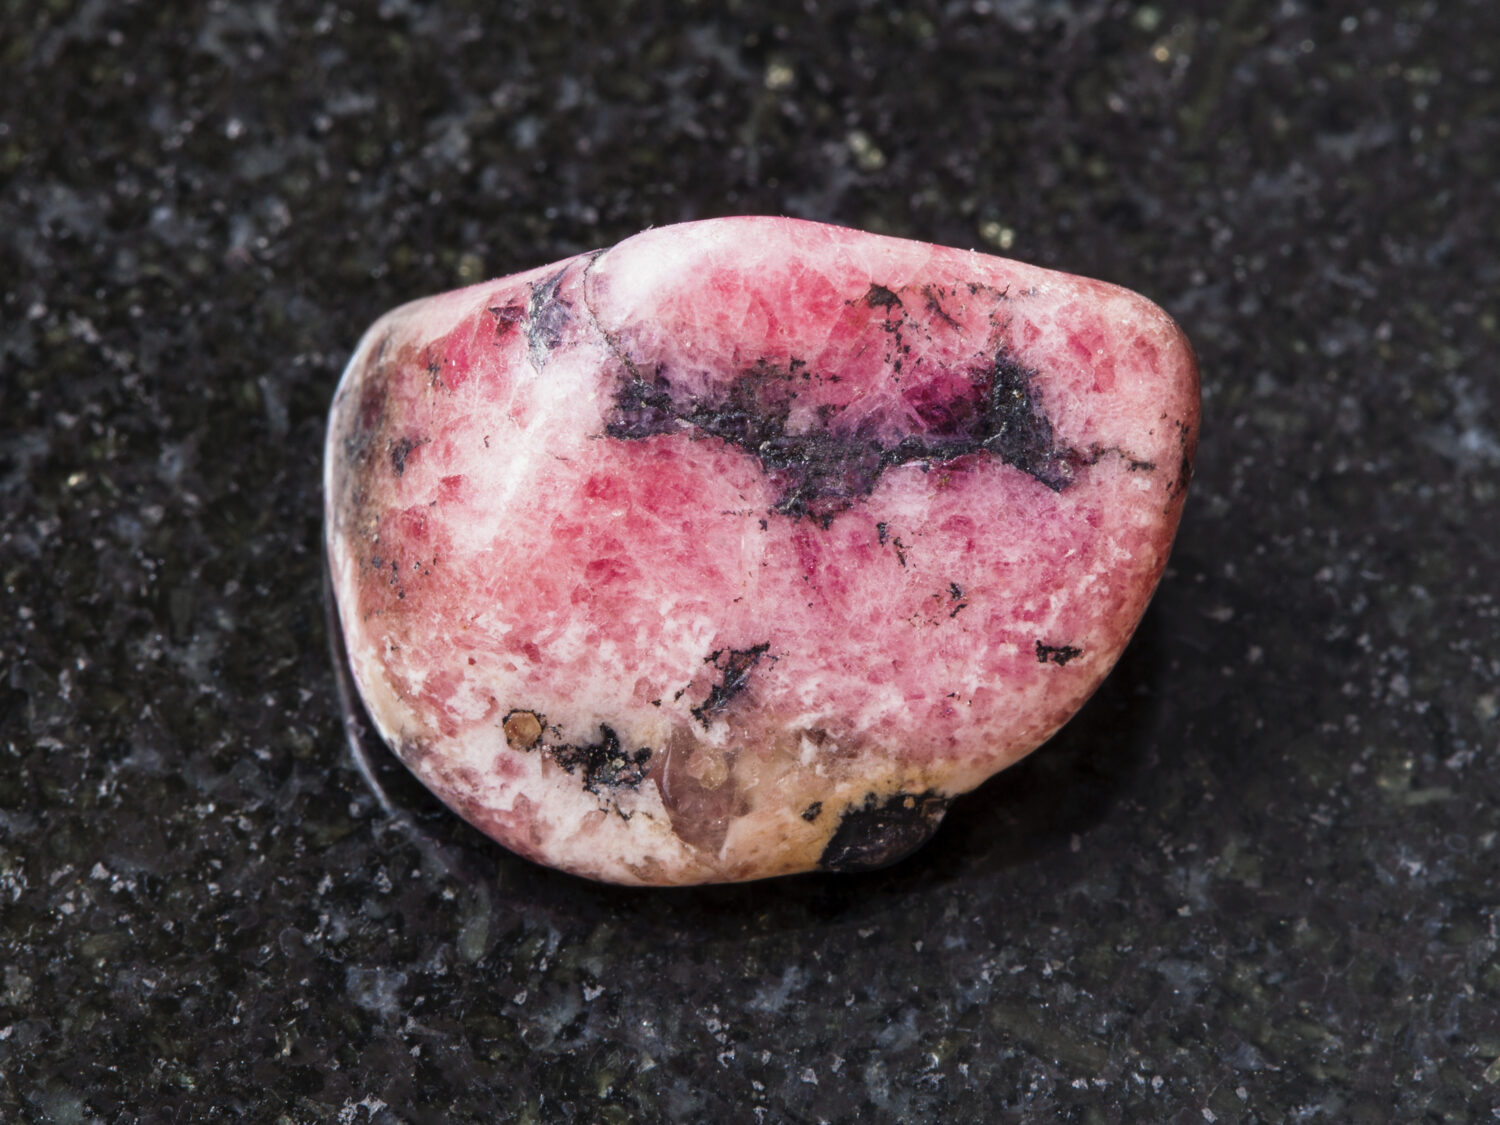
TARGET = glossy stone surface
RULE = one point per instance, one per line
(741, 548)
(1254, 877)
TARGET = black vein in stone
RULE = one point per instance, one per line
(822, 471)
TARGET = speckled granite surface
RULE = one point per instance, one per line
(1256, 881)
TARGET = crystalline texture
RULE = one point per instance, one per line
(740, 548)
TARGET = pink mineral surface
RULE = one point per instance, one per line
(741, 548)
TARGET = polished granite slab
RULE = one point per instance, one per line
(1254, 881)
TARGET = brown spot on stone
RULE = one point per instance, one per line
(523, 730)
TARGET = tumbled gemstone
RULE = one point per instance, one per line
(742, 547)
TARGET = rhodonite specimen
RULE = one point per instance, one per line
(742, 547)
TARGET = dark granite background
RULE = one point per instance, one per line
(1256, 881)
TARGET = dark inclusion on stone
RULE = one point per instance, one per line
(1056, 654)
(605, 765)
(878, 833)
(400, 451)
(547, 316)
(736, 666)
(823, 471)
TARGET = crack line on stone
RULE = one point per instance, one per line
(588, 307)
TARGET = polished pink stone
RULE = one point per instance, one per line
(742, 547)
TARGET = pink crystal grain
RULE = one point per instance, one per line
(741, 548)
